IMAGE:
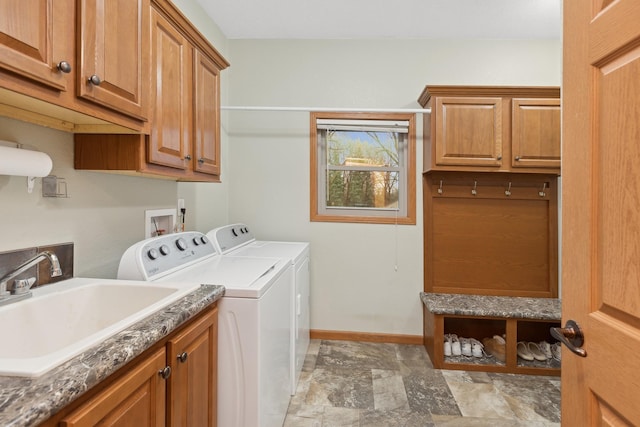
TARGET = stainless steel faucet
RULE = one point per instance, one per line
(21, 289)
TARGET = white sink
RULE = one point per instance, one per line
(66, 318)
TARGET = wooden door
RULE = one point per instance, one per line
(468, 131)
(171, 62)
(207, 115)
(193, 386)
(35, 37)
(601, 211)
(535, 133)
(137, 399)
(114, 48)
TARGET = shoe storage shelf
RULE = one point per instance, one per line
(517, 319)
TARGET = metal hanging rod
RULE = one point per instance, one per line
(336, 110)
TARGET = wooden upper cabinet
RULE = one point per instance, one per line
(114, 44)
(171, 131)
(207, 115)
(535, 133)
(497, 129)
(35, 37)
(468, 131)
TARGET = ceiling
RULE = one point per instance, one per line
(387, 19)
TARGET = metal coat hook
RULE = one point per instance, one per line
(542, 193)
(474, 190)
(507, 192)
(440, 189)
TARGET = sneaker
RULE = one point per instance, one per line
(456, 349)
(447, 344)
(545, 348)
(535, 351)
(555, 351)
(477, 349)
(523, 351)
(465, 346)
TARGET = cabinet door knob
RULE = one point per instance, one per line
(165, 373)
(64, 66)
(517, 158)
(187, 157)
(499, 158)
(182, 357)
(95, 80)
(201, 160)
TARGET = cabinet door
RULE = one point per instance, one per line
(171, 59)
(114, 44)
(468, 131)
(193, 386)
(34, 39)
(137, 399)
(535, 138)
(207, 115)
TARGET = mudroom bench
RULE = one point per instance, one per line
(479, 316)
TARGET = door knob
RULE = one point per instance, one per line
(571, 336)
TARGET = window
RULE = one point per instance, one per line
(363, 167)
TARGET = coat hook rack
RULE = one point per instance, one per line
(507, 192)
(440, 191)
(542, 193)
(474, 190)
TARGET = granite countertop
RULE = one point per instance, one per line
(493, 306)
(30, 401)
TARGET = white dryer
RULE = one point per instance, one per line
(253, 320)
(237, 240)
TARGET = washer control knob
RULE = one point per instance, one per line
(196, 241)
(235, 233)
(164, 250)
(181, 244)
(204, 240)
(153, 253)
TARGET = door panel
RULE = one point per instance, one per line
(469, 131)
(207, 115)
(114, 40)
(33, 40)
(170, 139)
(601, 210)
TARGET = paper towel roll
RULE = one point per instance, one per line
(20, 162)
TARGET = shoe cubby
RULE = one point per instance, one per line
(531, 331)
(439, 325)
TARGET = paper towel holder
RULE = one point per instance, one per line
(17, 161)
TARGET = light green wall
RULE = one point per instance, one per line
(355, 284)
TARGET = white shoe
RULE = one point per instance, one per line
(535, 351)
(545, 348)
(555, 351)
(477, 349)
(523, 351)
(447, 345)
(465, 346)
(456, 349)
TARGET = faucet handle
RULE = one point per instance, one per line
(22, 286)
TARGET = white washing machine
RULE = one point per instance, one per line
(236, 240)
(253, 320)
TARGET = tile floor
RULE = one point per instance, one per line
(346, 383)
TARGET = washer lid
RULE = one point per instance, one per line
(261, 248)
(234, 273)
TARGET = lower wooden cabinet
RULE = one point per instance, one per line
(137, 399)
(193, 358)
(173, 385)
